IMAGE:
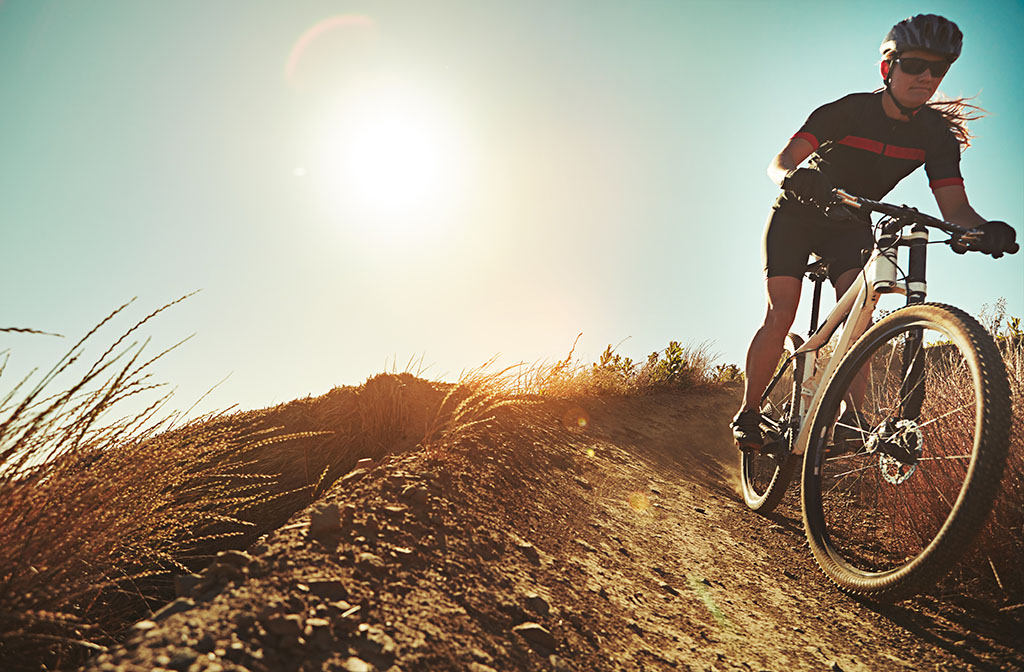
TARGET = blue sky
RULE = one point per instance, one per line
(578, 166)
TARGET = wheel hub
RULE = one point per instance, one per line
(899, 449)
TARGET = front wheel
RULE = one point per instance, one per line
(764, 475)
(891, 507)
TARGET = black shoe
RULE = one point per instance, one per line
(851, 431)
(746, 430)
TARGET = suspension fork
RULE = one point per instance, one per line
(912, 382)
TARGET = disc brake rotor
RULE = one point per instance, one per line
(908, 442)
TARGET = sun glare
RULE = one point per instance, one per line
(391, 158)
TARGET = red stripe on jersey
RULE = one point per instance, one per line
(904, 153)
(809, 138)
(862, 143)
(946, 182)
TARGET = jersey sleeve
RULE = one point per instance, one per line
(824, 123)
(943, 162)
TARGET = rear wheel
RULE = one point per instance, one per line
(764, 475)
(890, 511)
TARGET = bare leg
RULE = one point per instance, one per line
(783, 295)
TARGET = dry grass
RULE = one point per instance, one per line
(676, 367)
(99, 511)
(996, 566)
(96, 507)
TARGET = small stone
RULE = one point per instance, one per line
(182, 659)
(353, 476)
(336, 608)
(417, 494)
(558, 664)
(480, 667)
(329, 589)
(528, 550)
(582, 543)
(176, 607)
(376, 642)
(143, 626)
(668, 589)
(184, 584)
(836, 667)
(537, 604)
(237, 558)
(536, 635)
(356, 665)
(284, 625)
(370, 563)
(324, 520)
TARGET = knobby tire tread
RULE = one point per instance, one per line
(981, 484)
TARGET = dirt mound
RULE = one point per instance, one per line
(602, 534)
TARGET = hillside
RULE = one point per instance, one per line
(598, 534)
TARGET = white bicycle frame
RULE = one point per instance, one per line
(855, 307)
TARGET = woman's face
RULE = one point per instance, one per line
(915, 90)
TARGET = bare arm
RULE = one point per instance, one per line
(791, 156)
(953, 205)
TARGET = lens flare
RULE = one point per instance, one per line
(638, 501)
(575, 418)
(331, 44)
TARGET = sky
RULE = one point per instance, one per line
(358, 187)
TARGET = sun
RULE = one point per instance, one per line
(391, 157)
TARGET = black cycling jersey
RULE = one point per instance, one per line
(864, 151)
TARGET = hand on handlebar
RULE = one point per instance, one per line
(808, 185)
(994, 238)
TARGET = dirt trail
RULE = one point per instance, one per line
(604, 534)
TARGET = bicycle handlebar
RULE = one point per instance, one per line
(903, 215)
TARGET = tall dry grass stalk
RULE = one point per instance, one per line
(998, 561)
(676, 367)
(96, 507)
(472, 404)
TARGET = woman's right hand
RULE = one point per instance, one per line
(808, 185)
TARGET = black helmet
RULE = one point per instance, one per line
(924, 31)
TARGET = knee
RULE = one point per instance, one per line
(778, 320)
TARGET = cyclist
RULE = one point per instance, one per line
(864, 143)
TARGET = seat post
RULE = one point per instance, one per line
(818, 272)
(815, 305)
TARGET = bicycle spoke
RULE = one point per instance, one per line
(947, 414)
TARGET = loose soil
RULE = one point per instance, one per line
(596, 534)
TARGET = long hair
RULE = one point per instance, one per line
(956, 112)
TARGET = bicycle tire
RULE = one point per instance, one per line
(892, 515)
(764, 478)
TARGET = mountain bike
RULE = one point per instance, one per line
(890, 506)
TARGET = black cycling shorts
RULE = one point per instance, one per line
(793, 233)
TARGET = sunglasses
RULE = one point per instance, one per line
(915, 66)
